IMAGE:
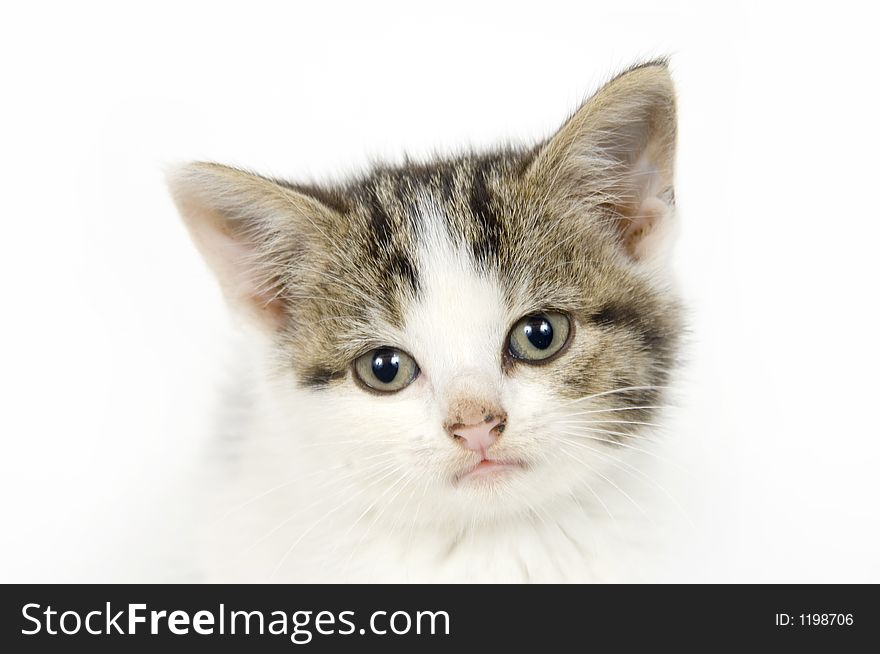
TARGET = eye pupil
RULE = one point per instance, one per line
(539, 331)
(385, 365)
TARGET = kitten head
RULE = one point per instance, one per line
(471, 335)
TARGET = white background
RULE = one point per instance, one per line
(113, 333)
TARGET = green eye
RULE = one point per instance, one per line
(539, 336)
(386, 370)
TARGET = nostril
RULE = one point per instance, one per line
(479, 436)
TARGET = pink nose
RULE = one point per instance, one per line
(479, 436)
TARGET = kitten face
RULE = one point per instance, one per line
(472, 336)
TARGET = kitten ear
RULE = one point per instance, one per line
(617, 151)
(249, 229)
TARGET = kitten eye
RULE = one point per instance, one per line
(538, 336)
(386, 370)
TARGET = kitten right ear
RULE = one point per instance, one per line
(617, 151)
(249, 229)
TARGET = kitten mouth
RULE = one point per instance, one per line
(489, 469)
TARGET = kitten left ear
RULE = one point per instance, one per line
(617, 151)
(252, 231)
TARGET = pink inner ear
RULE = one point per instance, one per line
(643, 225)
(642, 232)
(256, 296)
(232, 260)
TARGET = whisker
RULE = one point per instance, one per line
(616, 390)
(628, 467)
(629, 447)
(622, 492)
(609, 432)
(659, 407)
(305, 509)
(368, 441)
(610, 422)
(590, 488)
(263, 494)
(405, 478)
(367, 510)
(319, 521)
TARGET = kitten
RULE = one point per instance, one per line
(453, 363)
